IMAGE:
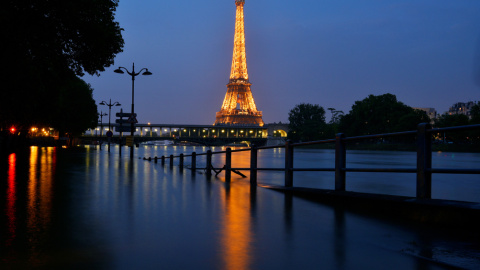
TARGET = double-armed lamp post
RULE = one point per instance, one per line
(101, 115)
(132, 117)
(109, 116)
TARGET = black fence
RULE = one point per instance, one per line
(423, 170)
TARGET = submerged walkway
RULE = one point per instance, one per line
(428, 212)
(94, 210)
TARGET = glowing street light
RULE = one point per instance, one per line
(101, 115)
(133, 74)
(109, 133)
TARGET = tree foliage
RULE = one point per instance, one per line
(446, 120)
(307, 122)
(475, 120)
(76, 108)
(46, 45)
(453, 120)
(475, 114)
(79, 35)
(380, 114)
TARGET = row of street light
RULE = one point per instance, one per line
(110, 104)
(132, 118)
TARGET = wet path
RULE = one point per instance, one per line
(90, 209)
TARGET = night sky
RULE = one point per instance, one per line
(330, 52)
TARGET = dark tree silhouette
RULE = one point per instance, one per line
(307, 122)
(447, 120)
(380, 114)
(475, 114)
(46, 45)
(475, 120)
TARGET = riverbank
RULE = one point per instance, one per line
(445, 214)
(10, 143)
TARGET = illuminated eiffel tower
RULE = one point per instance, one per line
(238, 106)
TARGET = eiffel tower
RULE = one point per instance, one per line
(238, 106)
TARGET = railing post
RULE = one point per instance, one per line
(181, 161)
(228, 164)
(171, 161)
(163, 160)
(156, 159)
(424, 162)
(288, 163)
(194, 162)
(253, 165)
(340, 162)
(209, 163)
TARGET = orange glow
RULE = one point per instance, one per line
(40, 183)
(12, 130)
(236, 231)
(32, 187)
(238, 106)
(239, 60)
(11, 199)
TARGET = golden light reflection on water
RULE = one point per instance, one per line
(37, 210)
(236, 235)
(32, 186)
(39, 189)
(42, 164)
(11, 198)
(241, 160)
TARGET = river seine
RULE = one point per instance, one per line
(90, 209)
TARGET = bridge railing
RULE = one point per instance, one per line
(423, 169)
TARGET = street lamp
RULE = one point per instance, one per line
(101, 115)
(132, 117)
(109, 133)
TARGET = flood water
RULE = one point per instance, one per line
(90, 209)
(444, 186)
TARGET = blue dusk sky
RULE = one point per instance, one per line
(326, 52)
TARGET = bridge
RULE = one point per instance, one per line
(271, 134)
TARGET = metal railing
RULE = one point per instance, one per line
(423, 169)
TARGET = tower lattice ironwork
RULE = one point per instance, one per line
(238, 106)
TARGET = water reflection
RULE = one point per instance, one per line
(28, 205)
(93, 210)
(11, 198)
(40, 182)
(236, 234)
(241, 160)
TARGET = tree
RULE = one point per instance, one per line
(46, 45)
(475, 120)
(76, 109)
(332, 126)
(411, 120)
(307, 122)
(79, 35)
(475, 114)
(336, 115)
(380, 114)
(453, 120)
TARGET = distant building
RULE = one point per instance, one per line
(462, 108)
(431, 112)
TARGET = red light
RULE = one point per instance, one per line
(12, 130)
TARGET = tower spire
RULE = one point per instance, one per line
(239, 59)
(238, 106)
